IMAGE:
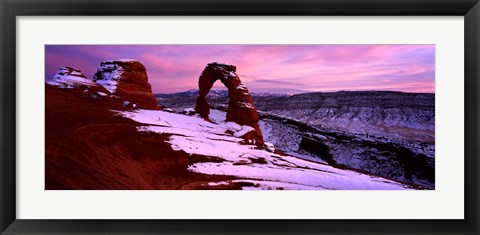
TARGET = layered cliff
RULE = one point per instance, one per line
(128, 80)
(397, 115)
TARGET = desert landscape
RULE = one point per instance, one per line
(113, 132)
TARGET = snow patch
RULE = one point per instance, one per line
(270, 147)
(246, 105)
(122, 60)
(217, 116)
(243, 131)
(241, 87)
(217, 183)
(194, 135)
(108, 75)
(272, 185)
(110, 85)
(67, 77)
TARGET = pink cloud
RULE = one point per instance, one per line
(173, 68)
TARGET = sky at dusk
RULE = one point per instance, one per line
(269, 68)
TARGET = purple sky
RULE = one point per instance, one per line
(174, 68)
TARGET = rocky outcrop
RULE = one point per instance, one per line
(317, 145)
(128, 80)
(72, 78)
(241, 109)
(69, 77)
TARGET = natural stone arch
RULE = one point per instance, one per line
(241, 109)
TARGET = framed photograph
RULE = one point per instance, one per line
(194, 117)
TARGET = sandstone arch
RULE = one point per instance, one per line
(241, 109)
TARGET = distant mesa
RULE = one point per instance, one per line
(126, 78)
(241, 109)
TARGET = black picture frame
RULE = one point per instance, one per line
(470, 9)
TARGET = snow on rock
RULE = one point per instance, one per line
(243, 88)
(297, 177)
(218, 116)
(68, 77)
(245, 105)
(123, 60)
(110, 85)
(189, 111)
(108, 75)
(184, 125)
(270, 147)
(266, 170)
(273, 185)
(217, 183)
(126, 78)
(243, 131)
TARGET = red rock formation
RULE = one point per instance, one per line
(241, 109)
(69, 77)
(128, 80)
(72, 78)
(87, 147)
